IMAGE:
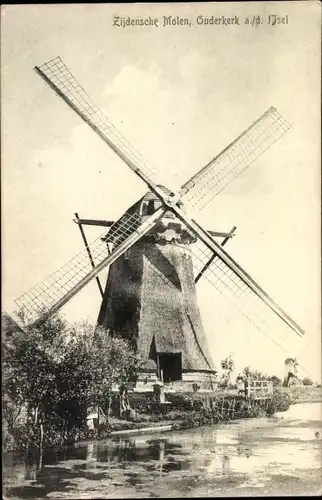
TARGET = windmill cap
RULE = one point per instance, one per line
(151, 196)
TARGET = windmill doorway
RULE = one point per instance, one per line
(170, 367)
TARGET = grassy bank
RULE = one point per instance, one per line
(304, 394)
(187, 410)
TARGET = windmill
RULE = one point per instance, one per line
(156, 252)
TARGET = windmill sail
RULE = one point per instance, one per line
(59, 287)
(244, 298)
(56, 74)
(234, 159)
(233, 267)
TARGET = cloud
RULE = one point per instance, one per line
(160, 116)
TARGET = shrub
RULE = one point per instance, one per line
(180, 401)
(256, 411)
(276, 380)
(307, 381)
(280, 401)
(141, 402)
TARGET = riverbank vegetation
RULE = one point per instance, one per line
(52, 375)
(55, 373)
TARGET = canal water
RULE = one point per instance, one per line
(267, 456)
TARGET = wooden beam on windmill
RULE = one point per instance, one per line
(94, 222)
(212, 258)
(78, 220)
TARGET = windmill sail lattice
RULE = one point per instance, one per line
(58, 76)
(234, 159)
(239, 295)
(58, 287)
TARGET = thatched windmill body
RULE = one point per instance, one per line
(156, 252)
(150, 298)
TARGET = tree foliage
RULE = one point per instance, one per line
(249, 372)
(57, 370)
(276, 380)
(227, 366)
(94, 363)
(307, 381)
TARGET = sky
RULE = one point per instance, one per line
(180, 95)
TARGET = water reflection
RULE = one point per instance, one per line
(245, 457)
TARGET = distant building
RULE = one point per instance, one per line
(291, 378)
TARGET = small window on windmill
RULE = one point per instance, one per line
(150, 209)
(170, 366)
(144, 208)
